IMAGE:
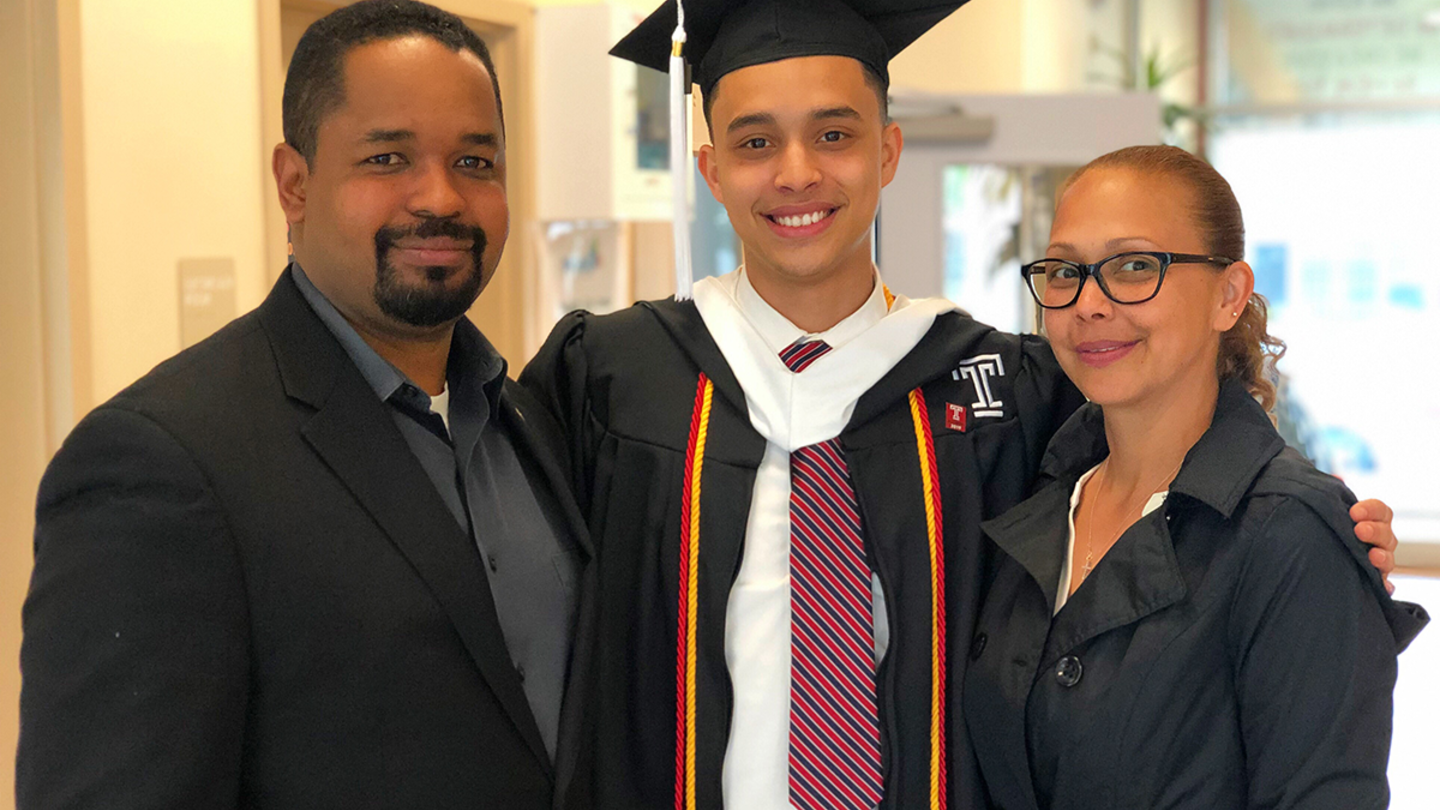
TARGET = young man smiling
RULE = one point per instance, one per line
(801, 150)
(784, 479)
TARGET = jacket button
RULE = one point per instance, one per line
(977, 647)
(1068, 671)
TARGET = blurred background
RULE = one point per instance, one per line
(137, 212)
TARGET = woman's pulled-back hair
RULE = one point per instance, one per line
(1247, 351)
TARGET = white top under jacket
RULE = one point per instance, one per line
(1062, 593)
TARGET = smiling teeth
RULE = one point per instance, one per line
(804, 219)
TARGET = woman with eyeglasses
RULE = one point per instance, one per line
(1180, 616)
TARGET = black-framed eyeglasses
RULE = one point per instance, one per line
(1125, 278)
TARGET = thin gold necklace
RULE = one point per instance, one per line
(1124, 522)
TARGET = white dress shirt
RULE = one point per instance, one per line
(440, 403)
(791, 411)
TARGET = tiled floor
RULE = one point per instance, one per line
(1415, 752)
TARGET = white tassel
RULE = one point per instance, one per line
(680, 156)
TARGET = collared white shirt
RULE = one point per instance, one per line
(778, 332)
(440, 403)
(791, 411)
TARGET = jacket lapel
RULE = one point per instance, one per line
(1140, 575)
(1030, 534)
(1137, 577)
(355, 436)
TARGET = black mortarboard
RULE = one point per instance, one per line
(726, 35)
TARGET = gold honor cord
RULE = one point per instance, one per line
(934, 526)
(686, 619)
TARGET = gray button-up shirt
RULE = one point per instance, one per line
(529, 559)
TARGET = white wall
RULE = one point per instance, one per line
(173, 168)
(1417, 706)
(22, 402)
(1013, 46)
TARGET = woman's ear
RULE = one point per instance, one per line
(1237, 282)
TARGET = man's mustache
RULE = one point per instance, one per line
(386, 237)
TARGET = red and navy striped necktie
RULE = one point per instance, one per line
(799, 355)
(834, 722)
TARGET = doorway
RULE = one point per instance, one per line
(974, 192)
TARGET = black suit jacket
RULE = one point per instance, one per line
(247, 593)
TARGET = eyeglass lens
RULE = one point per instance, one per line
(1127, 279)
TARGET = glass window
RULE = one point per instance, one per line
(1287, 51)
(1340, 215)
(994, 218)
(1326, 119)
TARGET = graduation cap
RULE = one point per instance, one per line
(717, 37)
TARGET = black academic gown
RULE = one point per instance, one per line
(1234, 649)
(624, 387)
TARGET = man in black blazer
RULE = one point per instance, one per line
(325, 558)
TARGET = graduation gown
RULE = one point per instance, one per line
(635, 390)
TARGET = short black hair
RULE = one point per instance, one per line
(315, 82)
(873, 80)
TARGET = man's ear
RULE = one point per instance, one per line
(291, 176)
(711, 172)
(892, 143)
(1237, 282)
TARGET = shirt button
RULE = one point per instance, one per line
(977, 647)
(1068, 671)
(494, 563)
